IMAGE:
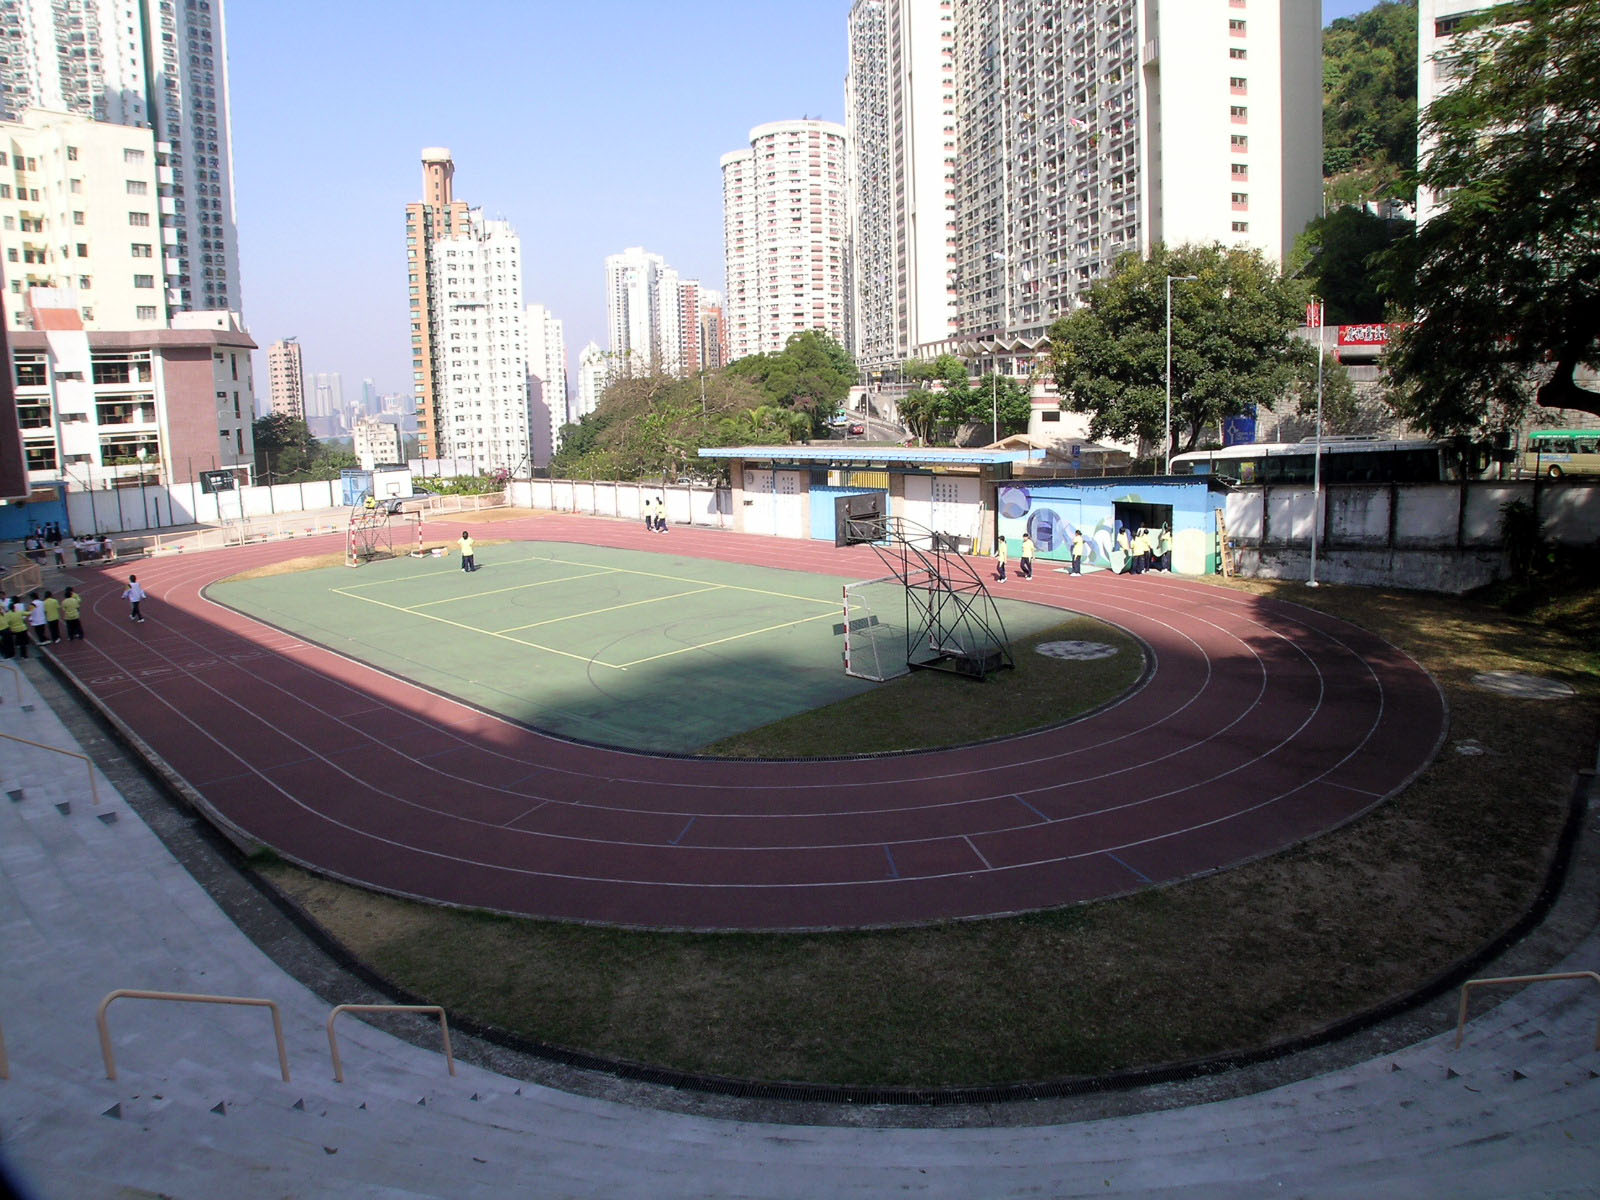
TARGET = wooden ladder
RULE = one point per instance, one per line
(1225, 550)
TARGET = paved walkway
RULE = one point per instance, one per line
(90, 900)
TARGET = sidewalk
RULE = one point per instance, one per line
(91, 900)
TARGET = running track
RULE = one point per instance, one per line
(1262, 724)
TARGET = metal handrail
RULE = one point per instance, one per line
(187, 998)
(333, 1041)
(94, 790)
(1461, 1019)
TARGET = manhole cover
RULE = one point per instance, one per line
(1526, 687)
(1076, 651)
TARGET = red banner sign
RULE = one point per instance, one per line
(1364, 335)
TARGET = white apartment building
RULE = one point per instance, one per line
(376, 443)
(1437, 23)
(481, 345)
(594, 372)
(652, 313)
(900, 120)
(785, 236)
(547, 381)
(1088, 129)
(81, 210)
(160, 65)
(286, 379)
(102, 408)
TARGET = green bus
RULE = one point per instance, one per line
(1556, 453)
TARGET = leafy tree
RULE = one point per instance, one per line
(1369, 100)
(1337, 255)
(811, 374)
(951, 398)
(1504, 283)
(1233, 344)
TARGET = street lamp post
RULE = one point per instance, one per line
(1171, 279)
(1316, 461)
(994, 404)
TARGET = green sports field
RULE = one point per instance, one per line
(621, 647)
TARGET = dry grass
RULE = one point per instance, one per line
(1234, 961)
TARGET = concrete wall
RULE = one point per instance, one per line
(686, 505)
(1434, 537)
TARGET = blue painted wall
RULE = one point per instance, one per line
(1052, 511)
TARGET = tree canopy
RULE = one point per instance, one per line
(946, 398)
(1233, 344)
(1369, 101)
(1504, 283)
(287, 453)
(812, 374)
(1338, 255)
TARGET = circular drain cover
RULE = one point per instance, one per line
(1076, 651)
(1526, 687)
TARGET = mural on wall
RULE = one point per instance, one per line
(1050, 514)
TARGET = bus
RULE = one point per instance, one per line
(1555, 453)
(1344, 460)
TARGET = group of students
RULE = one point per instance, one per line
(1145, 550)
(655, 514)
(37, 617)
(1002, 554)
(84, 549)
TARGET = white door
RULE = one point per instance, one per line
(757, 501)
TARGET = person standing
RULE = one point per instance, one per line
(7, 649)
(1164, 546)
(71, 606)
(649, 506)
(661, 514)
(17, 626)
(52, 616)
(36, 622)
(1001, 552)
(134, 594)
(1025, 559)
(1077, 552)
(468, 559)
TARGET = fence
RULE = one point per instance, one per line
(1439, 536)
(687, 504)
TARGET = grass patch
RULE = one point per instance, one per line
(1238, 960)
(929, 709)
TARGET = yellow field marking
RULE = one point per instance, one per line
(593, 612)
(732, 638)
(517, 588)
(732, 587)
(487, 633)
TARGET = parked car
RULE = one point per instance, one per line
(399, 504)
(858, 430)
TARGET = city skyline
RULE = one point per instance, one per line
(634, 148)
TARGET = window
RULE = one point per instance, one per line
(1238, 52)
(1241, 171)
(72, 154)
(1236, 85)
(5, 191)
(142, 250)
(75, 185)
(1238, 113)
(145, 312)
(130, 155)
(140, 219)
(83, 249)
(144, 281)
(138, 187)
(1236, 28)
(1241, 226)
(77, 218)
(1240, 142)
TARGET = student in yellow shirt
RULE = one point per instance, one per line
(52, 616)
(467, 563)
(71, 606)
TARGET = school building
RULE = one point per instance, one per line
(971, 497)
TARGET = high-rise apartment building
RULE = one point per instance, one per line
(469, 346)
(653, 314)
(713, 330)
(1082, 130)
(159, 65)
(785, 236)
(1437, 24)
(900, 120)
(594, 372)
(547, 382)
(81, 213)
(286, 379)
(325, 411)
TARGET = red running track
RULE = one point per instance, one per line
(1261, 724)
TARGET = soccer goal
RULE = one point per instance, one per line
(876, 629)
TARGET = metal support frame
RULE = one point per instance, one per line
(333, 1041)
(369, 535)
(952, 623)
(1466, 990)
(187, 998)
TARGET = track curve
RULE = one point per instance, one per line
(1261, 724)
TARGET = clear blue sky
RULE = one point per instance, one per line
(591, 126)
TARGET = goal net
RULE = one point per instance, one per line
(876, 644)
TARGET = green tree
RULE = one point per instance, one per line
(1504, 283)
(811, 374)
(1233, 344)
(1337, 255)
(1369, 101)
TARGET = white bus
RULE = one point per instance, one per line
(1344, 460)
